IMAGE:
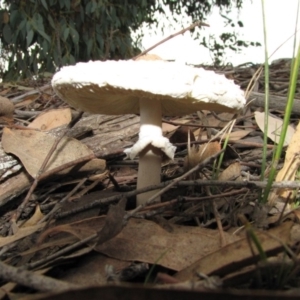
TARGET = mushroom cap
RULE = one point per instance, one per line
(115, 87)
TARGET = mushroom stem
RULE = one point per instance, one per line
(150, 158)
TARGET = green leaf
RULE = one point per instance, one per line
(93, 7)
(117, 22)
(22, 24)
(66, 33)
(89, 47)
(15, 16)
(67, 4)
(49, 63)
(23, 31)
(56, 59)
(100, 41)
(52, 2)
(62, 27)
(45, 4)
(65, 60)
(72, 60)
(74, 35)
(29, 37)
(81, 13)
(37, 24)
(7, 33)
(51, 21)
(88, 8)
(112, 46)
(85, 37)
(21, 27)
(31, 57)
(35, 66)
(28, 25)
(62, 21)
(45, 47)
(44, 35)
(112, 12)
(39, 19)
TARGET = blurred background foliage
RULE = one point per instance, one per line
(43, 35)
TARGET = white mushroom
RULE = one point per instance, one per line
(151, 89)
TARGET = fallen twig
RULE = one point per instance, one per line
(35, 281)
(59, 253)
(33, 92)
(235, 184)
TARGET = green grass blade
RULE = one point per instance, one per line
(264, 156)
(287, 114)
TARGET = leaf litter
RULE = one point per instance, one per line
(192, 236)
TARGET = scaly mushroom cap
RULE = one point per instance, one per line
(115, 87)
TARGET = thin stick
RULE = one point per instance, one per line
(30, 279)
(67, 165)
(198, 23)
(219, 224)
(236, 184)
(39, 90)
(287, 200)
(57, 206)
(59, 253)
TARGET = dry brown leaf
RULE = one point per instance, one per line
(142, 240)
(238, 135)
(90, 269)
(274, 127)
(290, 167)
(35, 218)
(207, 150)
(5, 91)
(36, 146)
(52, 119)
(146, 241)
(181, 135)
(6, 289)
(196, 156)
(21, 233)
(211, 120)
(26, 101)
(167, 128)
(6, 110)
(36, 251)
(226, 116)
(112, 224)
(238, 254)
(80, 232)
(233, 172)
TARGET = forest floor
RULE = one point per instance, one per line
(71, 227)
